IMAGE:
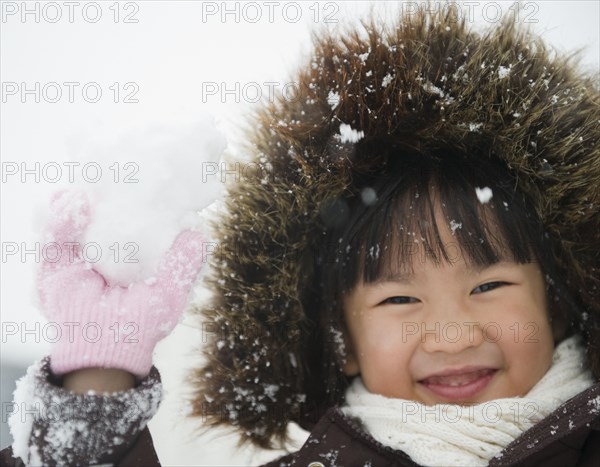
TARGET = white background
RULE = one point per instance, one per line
(172, 49)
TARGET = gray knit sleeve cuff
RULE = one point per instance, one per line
(53, 426)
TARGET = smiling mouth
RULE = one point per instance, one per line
(459, 385)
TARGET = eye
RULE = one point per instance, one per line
(488, 286)
(399, 300)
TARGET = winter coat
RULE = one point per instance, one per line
(570, 436)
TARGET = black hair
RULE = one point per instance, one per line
(391, 219)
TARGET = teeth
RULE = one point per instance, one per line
(457, 380)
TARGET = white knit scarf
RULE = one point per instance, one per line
(448, 434)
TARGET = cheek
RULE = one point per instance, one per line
(523, 316)
(382, 336)
(529, 341)
(527, 345)
(383, 348)
(384, 366)
(527, 362)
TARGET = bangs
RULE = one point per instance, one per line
(439, 209)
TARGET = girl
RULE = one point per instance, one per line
(411, 273)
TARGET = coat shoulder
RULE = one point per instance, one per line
(338, 440)
(570, 436)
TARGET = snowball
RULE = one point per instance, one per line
(165, 177)
(483, 194)
(349, 135)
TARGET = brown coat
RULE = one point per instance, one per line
(568, 437)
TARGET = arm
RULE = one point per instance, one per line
(98, 380)
(82, 405)
(54, 426)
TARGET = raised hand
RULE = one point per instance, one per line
(104, 325)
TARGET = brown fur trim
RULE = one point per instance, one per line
(425, 82)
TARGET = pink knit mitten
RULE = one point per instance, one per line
(105, 325)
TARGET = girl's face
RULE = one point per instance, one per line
(450, 333)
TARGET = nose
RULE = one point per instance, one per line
(451, 336)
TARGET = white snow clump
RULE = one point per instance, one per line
(333, 99)
(484, 195)
(173, 174)
(349, 135)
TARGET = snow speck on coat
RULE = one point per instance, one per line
(333, 99)
(387, 79)
(503, 71)
(349, 135)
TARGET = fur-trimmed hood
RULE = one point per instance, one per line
(430, 82)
